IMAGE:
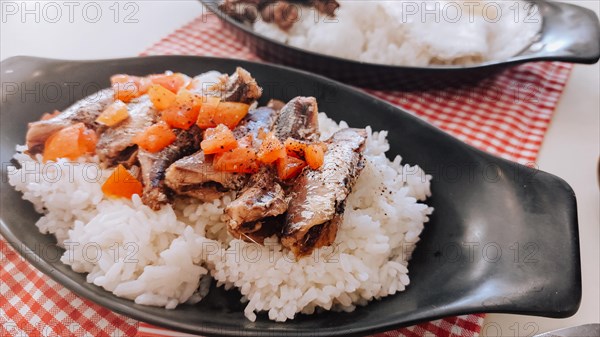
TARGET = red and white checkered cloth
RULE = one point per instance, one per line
(506, 115)
(34, 305)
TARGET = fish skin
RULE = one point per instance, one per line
(83, 111)
(154, 165)
(237, 87)
(115, 145)
(195, 176)
(318, 197)
(299, 119)
(264, 197)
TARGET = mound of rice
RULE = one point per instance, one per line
(414, 33)
(169, 257)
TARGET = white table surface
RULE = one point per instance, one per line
(570, 150)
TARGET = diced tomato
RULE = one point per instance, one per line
(289, 167)
(271, 149)
(125, 91)
(47, 116)
(218, 140)
(87, 141)
(184, 113)
(314, 155)
(71, 142)
(172, 82)
(143, 84)
(295, 148)
(113, 114)
(122, 184)
(214, 112)
(240, 160)
(207, 112)
(230, 113)
(195, 85)
(181, 118)
(187, 97)
(161, 98)
(128, 87)
(155, 137)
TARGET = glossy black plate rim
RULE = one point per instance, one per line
(126, 307)
(212, 6)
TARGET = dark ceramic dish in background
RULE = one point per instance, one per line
(502, 238)
(569, 33)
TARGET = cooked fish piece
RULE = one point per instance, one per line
(261, 229)
(282, 13)
(318, 196)
(299, 119)
(194, 175)
(83, 111)
(238, 87)
(115, 145)
(264, 197)
(261, 118)
(154, 165)
(327, 7)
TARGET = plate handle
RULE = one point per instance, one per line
(569, 33)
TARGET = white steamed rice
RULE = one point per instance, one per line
(414, 33)
(168, 257)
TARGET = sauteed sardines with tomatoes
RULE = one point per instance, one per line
(170, 135)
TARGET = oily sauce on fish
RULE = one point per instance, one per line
(318, 197)
(264, 197)
(154, 165)
(195, 175)
(116, 145)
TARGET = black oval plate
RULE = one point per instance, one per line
(503, 237)
(569, 33)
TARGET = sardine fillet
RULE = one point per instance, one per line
(237, 87)
(83, 111)
(195, 176)
(318, 197)
(154, 165)
(299, 119)
(264, 197)
(116, 145)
